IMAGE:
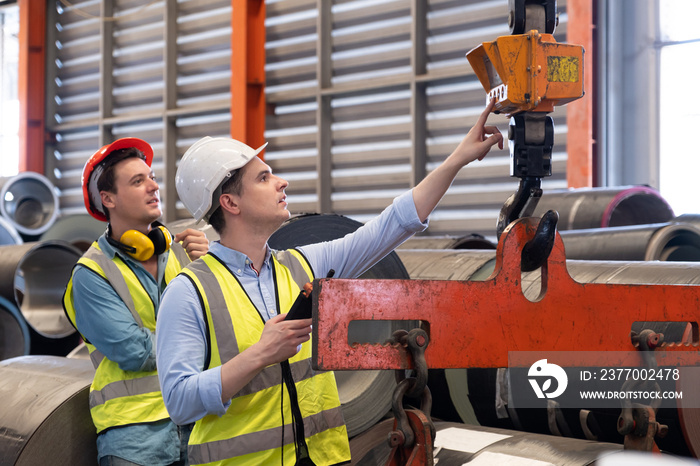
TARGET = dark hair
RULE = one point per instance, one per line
(106, 181)
(233, 185)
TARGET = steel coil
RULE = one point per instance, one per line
(28, 200)
(655, 242)
(14, 332)
(8, 233)
(80, 230)
(473, 241)
(33, 277)
(458, 444)
(45, 417)
(584, 208)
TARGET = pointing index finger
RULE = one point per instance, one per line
(485, 114)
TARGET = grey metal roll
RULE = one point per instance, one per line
(655, 242)
(14, 332)
(81, 352)
(80, 230)
(45, 417)
(458, 444)
(473, 241)
(8, 233)
(33, 277)
(605, 207)
(690, 219)
(28, 200)
(479, 265)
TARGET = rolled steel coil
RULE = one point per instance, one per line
(80, 230)
(45, 417)
(475, 392)
(29, 201)
(459, 444)
(584, 208)
(365, 396)
(655, 242)
(473, 241)
(14, 332)
(8, 233)
(33, 277)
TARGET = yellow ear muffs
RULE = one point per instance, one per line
(142, 247)
(161, 239)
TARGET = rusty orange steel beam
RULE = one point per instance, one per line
(248, 71)
(476, 324)
(31, 84)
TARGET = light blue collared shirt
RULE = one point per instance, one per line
(190, 392)
(103, 318)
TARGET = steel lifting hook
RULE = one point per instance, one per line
(536, 251)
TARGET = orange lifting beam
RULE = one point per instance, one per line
(248, 71)
(475, 324)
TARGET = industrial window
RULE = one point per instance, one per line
(9, 104)
(679, 104)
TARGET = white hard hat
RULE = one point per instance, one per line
(204, 168)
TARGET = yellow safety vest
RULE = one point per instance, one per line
(119, 397)
(258, 422)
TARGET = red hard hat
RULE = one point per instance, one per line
(91, 195)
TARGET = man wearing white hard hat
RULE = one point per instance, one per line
(228, 359)
(112, 300)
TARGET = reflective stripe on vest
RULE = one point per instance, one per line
(119, 397)
(251, 430)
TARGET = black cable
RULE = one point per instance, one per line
(282, 414)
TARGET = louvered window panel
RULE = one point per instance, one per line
(365, 97)
(375, 94)
(157, 70)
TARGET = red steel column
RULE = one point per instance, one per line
(31, 77)
(579, 116)
(248, 71)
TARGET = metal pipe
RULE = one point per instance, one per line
(8, 233)
(459, 444)
(473, 241)
(29, 202)
(45, 417)
(80, 230)
(660, 242)
(14, 331)
(33, 277)
(605, 207)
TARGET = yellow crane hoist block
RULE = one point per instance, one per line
(528, 72)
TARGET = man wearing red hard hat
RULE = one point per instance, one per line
(112, 299)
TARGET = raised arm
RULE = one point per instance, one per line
(475, 145)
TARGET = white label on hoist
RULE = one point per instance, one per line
(489, 458)
(468, 441)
